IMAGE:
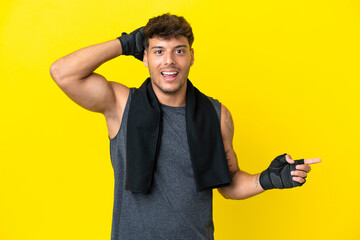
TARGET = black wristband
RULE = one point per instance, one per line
(278, 174)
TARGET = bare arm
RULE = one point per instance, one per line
(243, 185)
(74, 74)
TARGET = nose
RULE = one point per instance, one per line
(169, 58)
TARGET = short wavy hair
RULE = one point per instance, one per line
(167, 26)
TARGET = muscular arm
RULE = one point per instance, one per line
(243, 185)
(74, 74)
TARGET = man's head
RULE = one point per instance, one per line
(167, 26)
(168, 53)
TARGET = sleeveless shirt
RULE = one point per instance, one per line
(173, 209)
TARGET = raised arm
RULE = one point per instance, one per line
(74, 74)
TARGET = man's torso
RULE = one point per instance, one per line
(174, 209)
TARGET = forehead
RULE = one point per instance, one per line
(172, 42)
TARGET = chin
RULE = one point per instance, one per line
(170, 91)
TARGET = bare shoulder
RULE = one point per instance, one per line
(227, 125)
(227, 133)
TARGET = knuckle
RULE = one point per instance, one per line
(299, 174)
(301, 180)
(300, 167)
(296, 179)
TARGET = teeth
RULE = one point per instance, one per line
(169, 73)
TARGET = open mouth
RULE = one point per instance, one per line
(169, 75)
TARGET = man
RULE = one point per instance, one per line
(170, 145)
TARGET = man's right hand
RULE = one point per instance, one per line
(133, 43)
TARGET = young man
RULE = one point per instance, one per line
(170, 145)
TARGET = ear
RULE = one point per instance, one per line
(192, 57)
(145, 61)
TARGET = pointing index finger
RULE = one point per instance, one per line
(312, 160)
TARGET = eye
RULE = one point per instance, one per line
(159, 51)
(179, 51)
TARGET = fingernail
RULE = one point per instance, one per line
(292, 172)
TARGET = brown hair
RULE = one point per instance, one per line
(167, 26)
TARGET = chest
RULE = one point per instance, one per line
(173, 162)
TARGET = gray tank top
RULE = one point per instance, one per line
(174, 209)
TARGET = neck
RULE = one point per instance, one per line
(177, 99)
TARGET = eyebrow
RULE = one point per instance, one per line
(178, 46)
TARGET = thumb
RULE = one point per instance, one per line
(289, 159)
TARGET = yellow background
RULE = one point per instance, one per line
(287, 70)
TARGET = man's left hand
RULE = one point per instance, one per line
(302, 170)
